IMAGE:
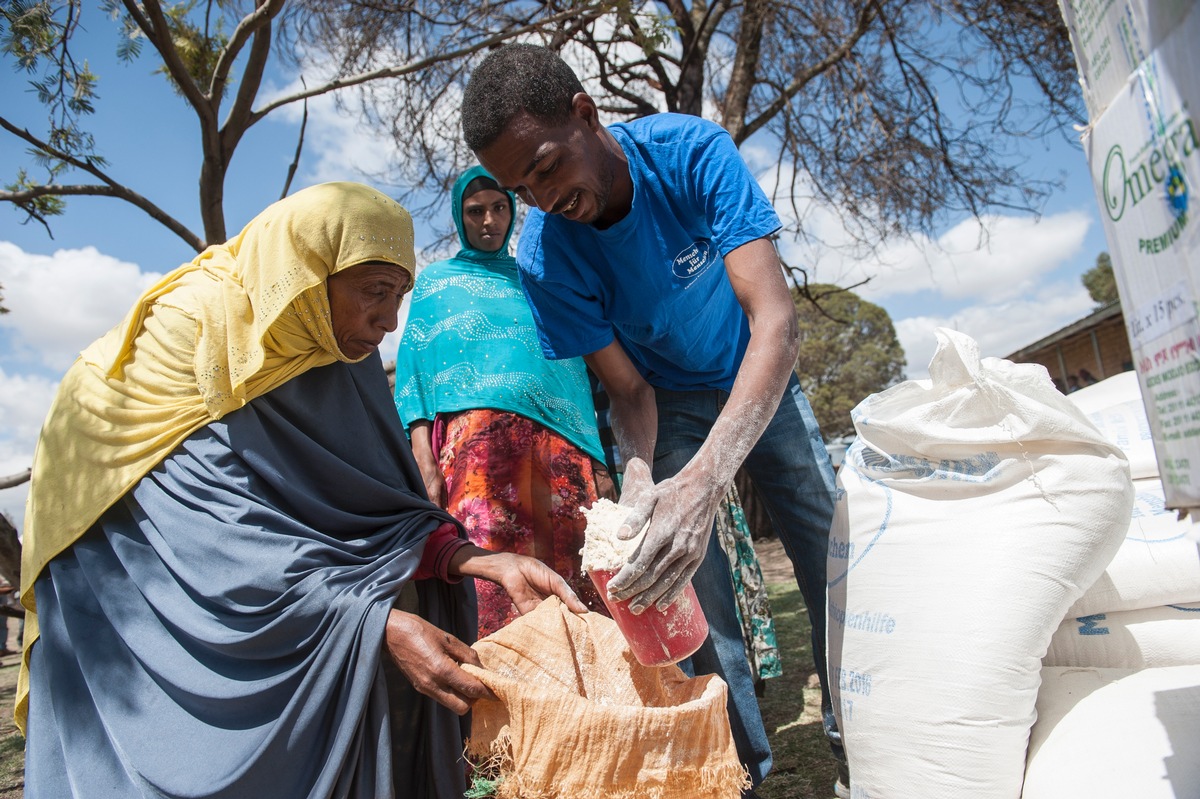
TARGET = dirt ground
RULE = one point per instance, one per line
(776, 567)
(12, 743)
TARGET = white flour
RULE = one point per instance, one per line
(602, 550)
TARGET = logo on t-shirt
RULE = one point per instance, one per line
(693, 260)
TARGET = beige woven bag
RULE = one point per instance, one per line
(579, 717)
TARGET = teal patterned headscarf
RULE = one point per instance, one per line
(470, 342)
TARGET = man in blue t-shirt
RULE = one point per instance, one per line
(649, 253)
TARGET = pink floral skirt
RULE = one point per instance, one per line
(517, 486)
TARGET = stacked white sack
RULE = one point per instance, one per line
(1116, 734)
(1115, 407)
(1168, 635)
(1159, 562)
(976, 508)
(1144, 610)
(1119, 706)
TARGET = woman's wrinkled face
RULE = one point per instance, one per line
(486, 217)
(364, 301)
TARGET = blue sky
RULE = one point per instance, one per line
(66, 291)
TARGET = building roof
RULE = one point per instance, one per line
(1103, 314)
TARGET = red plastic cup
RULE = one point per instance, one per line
(656, 637)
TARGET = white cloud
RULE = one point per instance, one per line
(991, 260)
(995, 273)
(1002, 260)
(12, 501)
(60, 303)
(1000, 328)
(337, 145)
(24, 401)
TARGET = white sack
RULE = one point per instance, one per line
(1116, 734)
(1158, 563)
(1115, 407)
(976, 508)
(1168, 635)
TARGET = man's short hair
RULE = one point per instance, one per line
(512, 79)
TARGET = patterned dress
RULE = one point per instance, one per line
(753, 607)
(517, 486)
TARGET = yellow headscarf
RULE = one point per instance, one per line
(241, 319)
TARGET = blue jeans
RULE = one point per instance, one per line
(793, 477)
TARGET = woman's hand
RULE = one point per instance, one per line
(606, 487)
(430, 658)
(421, 436)
(435, 484)
(527, 580)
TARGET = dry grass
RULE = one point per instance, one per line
(12, 743)
(791, 708)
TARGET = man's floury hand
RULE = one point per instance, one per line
(680, 515)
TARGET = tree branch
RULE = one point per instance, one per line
(287, 184)
(240, 117)
(863, 24)
(14, 480)
(250, 25)
(398, 71)
(111, 188)
(117, 191)
(154, 25)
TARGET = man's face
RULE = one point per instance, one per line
(364, 301)
(486, 217)
(563, 170)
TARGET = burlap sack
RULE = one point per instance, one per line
(579, 717)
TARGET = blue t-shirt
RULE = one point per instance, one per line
(656, 279)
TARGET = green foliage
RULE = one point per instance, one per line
(37, 35)
(1100, 282)
(848, 350)
(482, 788)
(651, 30)
(40, 207)
(29, 31)
(198, 48)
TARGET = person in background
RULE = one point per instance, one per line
(506, 440)
(223, 514)
(649, 253)
(1086, 378)
(7, 605)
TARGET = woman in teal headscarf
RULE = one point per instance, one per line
(506, 440)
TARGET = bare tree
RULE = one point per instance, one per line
(216, 57)
(894, 113)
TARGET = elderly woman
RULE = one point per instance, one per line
(223, 514)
